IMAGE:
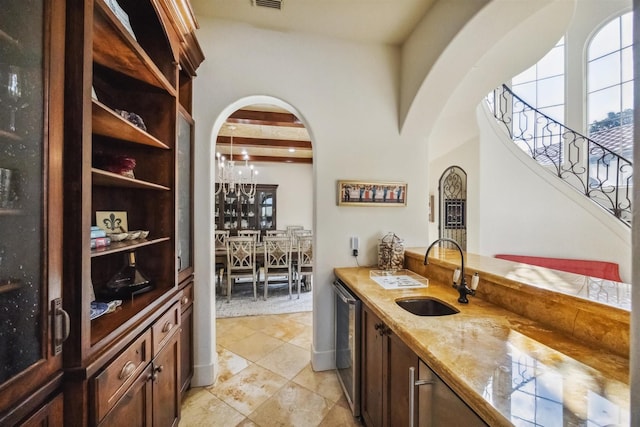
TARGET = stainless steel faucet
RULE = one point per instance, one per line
(462, 288)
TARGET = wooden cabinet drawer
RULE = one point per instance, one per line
(165, 327)
(187, 297)
(118, 375)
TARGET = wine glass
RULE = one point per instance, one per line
(13, 88)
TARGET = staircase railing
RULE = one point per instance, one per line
(594, 170)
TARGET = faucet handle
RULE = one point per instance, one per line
(456, 276)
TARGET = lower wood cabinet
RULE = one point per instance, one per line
(49, 414)
(386, 392)
(141, 385)
(386, 360)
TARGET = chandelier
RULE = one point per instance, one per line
(232, 178)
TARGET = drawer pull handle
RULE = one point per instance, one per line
(127, 370)
(167, 327)
(185, 300)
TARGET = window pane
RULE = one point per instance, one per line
(551, 91)
(627, 96)
(604, 72)
(606, 40)
(627, 29)
(527, 92)
(552, 64)
(627, 64)
(603, 102)
(527, 75)
(556, 113)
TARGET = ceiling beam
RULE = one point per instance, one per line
(265, 118)
(278, 159)
(241, 141)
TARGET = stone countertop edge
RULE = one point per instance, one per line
(467, 350)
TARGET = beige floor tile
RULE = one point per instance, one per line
(247, 423)
(292, 405)
(234, 333)
(287, 360)
(249, 388)
(340, 416)
(202, 409)
(254, 346)
(303, 340)
(229, 364)
(325, 383)
(284, 329)
(304, 317)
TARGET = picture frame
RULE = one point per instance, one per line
(112, 221)
(372, 193)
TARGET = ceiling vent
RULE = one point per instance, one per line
(273, 4)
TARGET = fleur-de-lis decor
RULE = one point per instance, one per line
(113, 222)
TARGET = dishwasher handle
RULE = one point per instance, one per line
(343, 294)
(412, 393)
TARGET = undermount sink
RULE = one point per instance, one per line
(426, 306)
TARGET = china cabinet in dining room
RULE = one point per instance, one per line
(238, 211)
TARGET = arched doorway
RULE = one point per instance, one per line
(277, 145)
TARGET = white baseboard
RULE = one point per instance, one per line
(323, 360)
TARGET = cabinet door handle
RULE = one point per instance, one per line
(127, 370)
(167, 327)
(61, 325)
(185, 300)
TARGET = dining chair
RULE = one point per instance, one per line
(255, 234)
(277, 233)
(277, 260)
(220, 245)
(241, 262)
(292, 228)
(304, 261)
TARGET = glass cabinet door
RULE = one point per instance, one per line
(230, 212)
(30, 195)
(266, 199)
(246, 214)
(185, 194)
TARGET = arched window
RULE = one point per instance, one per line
(542, 84)
(610, 86)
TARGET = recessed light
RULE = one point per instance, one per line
(292, 150)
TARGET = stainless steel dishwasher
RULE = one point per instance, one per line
(347, 321)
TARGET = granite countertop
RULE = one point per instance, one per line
(508, 368)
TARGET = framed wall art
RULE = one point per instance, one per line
(371, 193)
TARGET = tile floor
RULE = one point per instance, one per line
(266, 379)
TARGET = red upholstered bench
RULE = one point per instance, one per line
(600, 269)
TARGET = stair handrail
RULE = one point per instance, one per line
(555, 146)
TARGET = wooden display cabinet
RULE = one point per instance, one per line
(109, 70)
(32, 320)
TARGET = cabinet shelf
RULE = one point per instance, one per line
(115, 48)
(9, 285)
(107, 122)
(10, 135)
(125, 246)
(110, 179)
(110, 323)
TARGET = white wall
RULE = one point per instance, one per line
(346, 95)
(295, 192)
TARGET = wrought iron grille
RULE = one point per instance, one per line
(594, 170)
(453, 207)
